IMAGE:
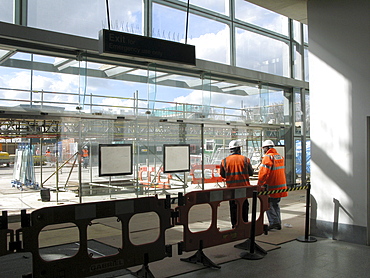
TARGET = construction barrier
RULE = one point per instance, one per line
(6, 235)
(154, 177)
(213, 236)
(82, 264)
(211, 174)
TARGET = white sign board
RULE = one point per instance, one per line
(176, 158)
(115, 159)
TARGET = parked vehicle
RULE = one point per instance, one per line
(5, 159)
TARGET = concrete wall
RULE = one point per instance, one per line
(339, 65)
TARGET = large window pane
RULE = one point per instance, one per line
(6, 11)
(297, 31)
(305, 33)
(210, 37)
(306, 78)
(168, 24)
(212, 41)
(220, 6)
(261, 17)
(85, 17)
(297, 60)
(261, 53)
(271, 105)
(126, 16)
(14, 86)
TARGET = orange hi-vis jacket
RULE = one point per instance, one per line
(234, 169)
(85, 153)
(272, 173)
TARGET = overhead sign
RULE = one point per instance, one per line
(119, 43)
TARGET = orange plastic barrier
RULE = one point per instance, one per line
(211, 174)
(213, 236)
(81, 264)
(157, 182)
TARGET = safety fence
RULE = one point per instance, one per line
(82, 264)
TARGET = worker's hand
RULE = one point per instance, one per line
(263, 187)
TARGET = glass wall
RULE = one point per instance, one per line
(89, 92)
(81, 103)
(251, 37)
(59, 84)
(86, 17)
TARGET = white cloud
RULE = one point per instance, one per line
(213, 46)
(195, 97)
(21, 80)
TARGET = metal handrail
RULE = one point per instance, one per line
(172, 109)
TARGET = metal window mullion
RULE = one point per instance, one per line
(292, 120)
(291, 48)
(20, 12)
(303, 136)
(302, 54)
(147, 18)
(232, 34)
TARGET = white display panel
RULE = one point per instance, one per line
(176, 158)
(115, 159)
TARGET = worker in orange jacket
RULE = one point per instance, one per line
(272, 176)
(85, 156)
(236, 169)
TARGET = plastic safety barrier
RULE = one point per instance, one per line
(213, 236)
(154, 177)
(82, 264)
(211, 174)
(6, 235)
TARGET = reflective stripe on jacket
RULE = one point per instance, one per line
(234, 169)
(272, 173)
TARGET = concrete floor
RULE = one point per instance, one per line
(325, 258)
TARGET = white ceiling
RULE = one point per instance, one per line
(295, 9)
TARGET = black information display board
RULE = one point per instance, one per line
(125, 44)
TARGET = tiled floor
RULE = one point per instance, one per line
(325, 258)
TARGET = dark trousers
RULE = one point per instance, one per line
(273, 214)
(234, 211)
(85, 161)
